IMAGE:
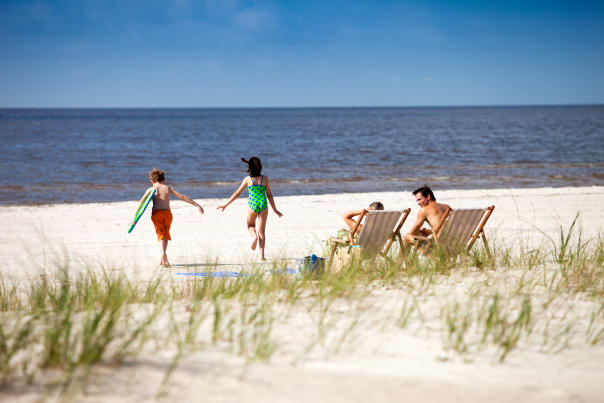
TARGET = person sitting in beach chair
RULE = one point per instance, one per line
(365, 241)
(430, 212)
(452, 230)
(458, 232)
(350, 218)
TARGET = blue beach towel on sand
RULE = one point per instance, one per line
(234, 273)
(282, 271)
(215, 274)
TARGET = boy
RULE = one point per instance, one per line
(161, 215)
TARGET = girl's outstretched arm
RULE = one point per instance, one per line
(185, 198)
(269, 196)
(234, 195)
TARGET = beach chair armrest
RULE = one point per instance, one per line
(421, 237)
(338, 240)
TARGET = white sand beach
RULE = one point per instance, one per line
(377, 361)
(35, 236)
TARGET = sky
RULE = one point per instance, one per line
(307, 53)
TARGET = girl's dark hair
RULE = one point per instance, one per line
(254, 166)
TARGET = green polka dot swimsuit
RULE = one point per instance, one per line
(257, 196)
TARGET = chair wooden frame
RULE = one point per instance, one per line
(449, 223)
(394, 236)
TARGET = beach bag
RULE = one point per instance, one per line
(311, 264)
(345, 257)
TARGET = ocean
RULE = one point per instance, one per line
(104, 155)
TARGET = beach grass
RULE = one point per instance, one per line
(60, 324)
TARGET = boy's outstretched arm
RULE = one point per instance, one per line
(234, 195)
(269, 196)
(186, 198)
(140, 203)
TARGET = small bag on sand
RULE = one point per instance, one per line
(311, 263)
(346, 257)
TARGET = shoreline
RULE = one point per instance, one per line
(468, 189)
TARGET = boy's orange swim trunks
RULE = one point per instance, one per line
(162, 219)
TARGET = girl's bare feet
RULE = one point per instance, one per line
(164, 261)
(255, 243)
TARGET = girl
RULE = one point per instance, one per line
(259, 191)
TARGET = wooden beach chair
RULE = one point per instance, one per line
(380, 230)
(458, 231)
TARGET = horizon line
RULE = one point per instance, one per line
(313, 107)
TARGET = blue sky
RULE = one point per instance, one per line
(213, 53)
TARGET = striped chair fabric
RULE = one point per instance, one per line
(377, 229)
(459, 228)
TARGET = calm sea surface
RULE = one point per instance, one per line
(92, 155)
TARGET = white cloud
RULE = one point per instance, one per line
(254, 19)
(220, 7)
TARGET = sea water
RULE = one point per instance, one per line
(102, 155)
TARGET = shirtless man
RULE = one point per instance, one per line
(431, 212)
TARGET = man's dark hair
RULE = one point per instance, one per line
(425, 191)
